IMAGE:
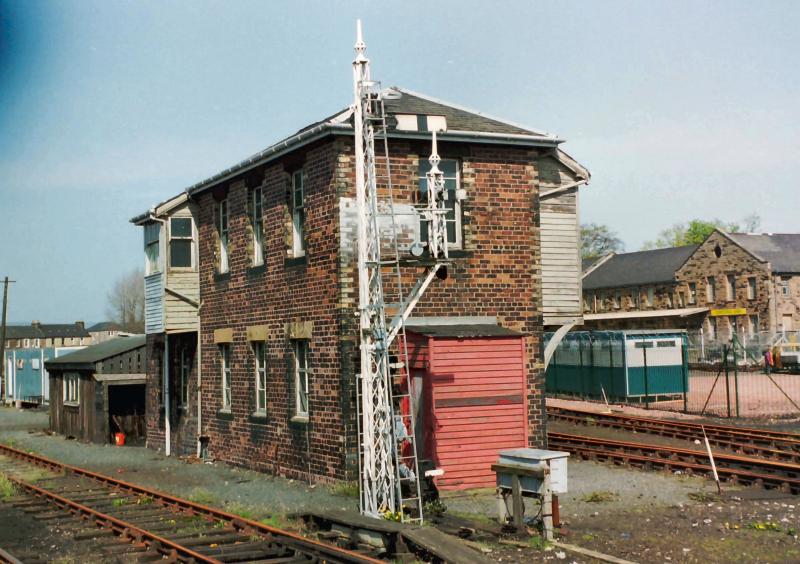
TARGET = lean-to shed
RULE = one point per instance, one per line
(100, 390)
(470, 373)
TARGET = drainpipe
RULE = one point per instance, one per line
(167, 427)
(199, 382)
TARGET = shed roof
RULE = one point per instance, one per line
(105, 326)
(642, 267)
(98, 352)
(782, 250)
(460, 327)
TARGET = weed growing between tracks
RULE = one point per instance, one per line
(7, 489)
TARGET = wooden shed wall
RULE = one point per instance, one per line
(76, 421)
(474, 405)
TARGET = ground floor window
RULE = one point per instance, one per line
(71, 388)
(260, 354)
(225, 370)
(300, 350)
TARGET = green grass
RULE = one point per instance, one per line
(538, 543)
(276, 521)
(203, 497)
(241, 510)
(346, 489)
(7, 489)
(119, 502)
(144, 500)
(599, 496)
(704, 497)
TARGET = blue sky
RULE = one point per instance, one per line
(679, 109)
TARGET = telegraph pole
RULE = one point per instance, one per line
(6, 282)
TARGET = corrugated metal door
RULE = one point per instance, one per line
(477, 406)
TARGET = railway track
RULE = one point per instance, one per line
(140, 524)
(769, 474)
(762, 443)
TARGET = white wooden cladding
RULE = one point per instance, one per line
(561, 267)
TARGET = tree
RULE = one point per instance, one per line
(598, 240)
(126, 301)
(696, 231)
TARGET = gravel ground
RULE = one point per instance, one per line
(640, 516)
(213, 484)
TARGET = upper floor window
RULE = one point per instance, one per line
(754, 328)
(225, 374)
(180, 242)
(260, 354)
(222, 228)
(784, 282)
(301, 377)
(257, 220)
(617, 299)
(72, 388)
(651, 297)
(751, 288)
(730, 283)
(26, 343)
(298, 215)
(452, 183)
(711, 289)
(636, 297)
(151, 248)
(692, 293)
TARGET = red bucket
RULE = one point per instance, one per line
(119, 439)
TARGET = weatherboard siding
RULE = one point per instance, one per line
(475, 406)
(153, 304)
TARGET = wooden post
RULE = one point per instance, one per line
(547, 508)
(518, 508)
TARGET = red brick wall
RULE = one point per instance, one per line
(496, 274)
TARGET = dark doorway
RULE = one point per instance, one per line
(126, 412)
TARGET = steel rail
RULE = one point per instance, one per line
(738, 468)
(330, 552)
(118, 526)
(756, 437)
(8, 558)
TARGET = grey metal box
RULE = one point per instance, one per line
(555, 460)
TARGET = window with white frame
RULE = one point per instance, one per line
(300, 350)
(636, 297)
(180, 242)
(751, 288)
(784, 283)
(712, 328)
(26, 343)
(257, 219)
(730, 283)
(222, 229)
(151, 248)
(184, 373)
(452, 183)
(651, 297)
(260, 356)
(692, 293)
(225, 374)
(711, 289)
(72, 388)
(617, 299)
(298, 214)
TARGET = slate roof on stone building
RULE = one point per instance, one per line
(46, 331)
(782, 250)
(639, 268)
(105, 326)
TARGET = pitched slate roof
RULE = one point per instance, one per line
(639, 268)
(96, 353)
(782, 250)
(46, 331)
(105, 326)
(463, 125)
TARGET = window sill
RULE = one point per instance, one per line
(222, 276)
(72, 404)
(259, 418)
(294, 261)
(300, 419)
(256, 270)
(225, 415)
(458, 253)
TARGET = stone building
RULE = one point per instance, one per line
(758, 275)
(278, 344)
